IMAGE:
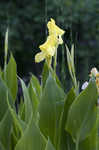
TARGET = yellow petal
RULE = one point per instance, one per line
(51, 41)
(52, 20)
(39, 57)
(51, 51)
(54, 29)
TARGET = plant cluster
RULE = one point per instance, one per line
(47, 117)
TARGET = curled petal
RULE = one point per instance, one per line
(39, 57)
(54, 29)
(51, 41)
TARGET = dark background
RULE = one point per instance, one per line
(27, 21)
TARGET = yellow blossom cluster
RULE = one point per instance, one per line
(49, 48)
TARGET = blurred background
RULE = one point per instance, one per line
(27, 21)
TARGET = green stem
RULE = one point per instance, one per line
(55, 61)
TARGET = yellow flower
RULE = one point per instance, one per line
(48, 49)
(39, 57)
(50, 45)
(54, 29)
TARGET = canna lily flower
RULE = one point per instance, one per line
(54, 29)
(48, 49)
(49, 45)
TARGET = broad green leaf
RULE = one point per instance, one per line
(64, 138)
(92, 141)
(27, 101)
(3, 98)
(49, 145)
(1, 147)
(11, 77)
(13, 141)
(17, 121)
(45, 75)
(50, 105)
(5, 130)
(36, 85)
(33, 96)
(32, 138)
(82, 114)
(21, 110)
(1, 72)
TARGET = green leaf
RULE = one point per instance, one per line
(51, 105)
(13, 141)
(21, 110)
(49, 145)
(82, 113)
(3, 98)
(36, 85)
(33, 96)
(17, 121)
(27, 101)
(92, 141)
(11, 77)
(64, 138)
(45, 75)
(5, 130)
(1, 147)
(5, 116)
(32, 138)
